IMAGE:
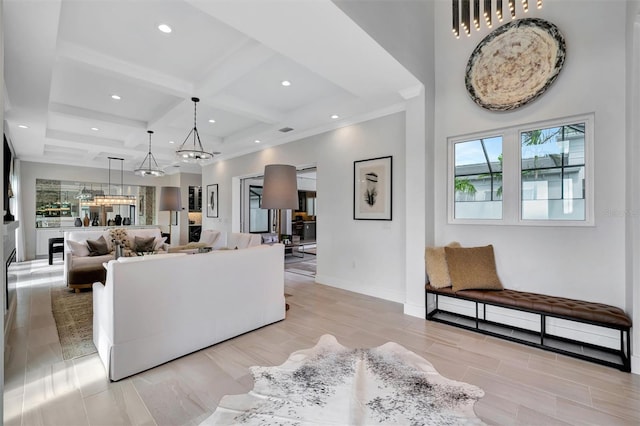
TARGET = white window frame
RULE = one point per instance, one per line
(512, 176)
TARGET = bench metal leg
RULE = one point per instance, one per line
(477, 315)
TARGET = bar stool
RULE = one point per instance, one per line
(56, 245)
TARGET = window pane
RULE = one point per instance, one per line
(553, 173)
(478, 179)
(258, 218)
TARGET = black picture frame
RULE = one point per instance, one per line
(212, 200)
(373, 188)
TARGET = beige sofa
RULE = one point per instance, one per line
(76, 251)
(219, 240)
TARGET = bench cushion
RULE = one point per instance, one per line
(559, 306)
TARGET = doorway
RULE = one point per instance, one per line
(299, 225)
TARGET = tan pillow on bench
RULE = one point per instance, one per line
(436, 264)
(472, 268)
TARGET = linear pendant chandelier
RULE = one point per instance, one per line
(114, 200)
(149, 169)
(463, 10)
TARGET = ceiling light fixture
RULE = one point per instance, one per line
(84, 194)
(334, 116)
(114, 200)
(149, 169)
(22, 126)
(116, 97)
(286, 83)
(171, 142)
(197, 154)
(165, 28)
(257, 141)
(95, 129)
(462, 13)
(212, 121)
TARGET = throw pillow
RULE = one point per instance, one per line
(437, 268)
(78, 249)
(98, 247)
(144, 244)
(159, 242)
(472, 268)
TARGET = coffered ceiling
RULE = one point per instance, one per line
(65, 59)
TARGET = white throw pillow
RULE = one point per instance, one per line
(79, 249)
(159, 242)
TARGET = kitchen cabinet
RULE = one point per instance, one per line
(195, 198)
(307, 202)
(309, 231)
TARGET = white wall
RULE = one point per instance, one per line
(586, 262)
(30, 171)
(405, 29)
(362, 256)
(632, 215)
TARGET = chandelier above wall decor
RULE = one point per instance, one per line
(462, 13)
(195, 154)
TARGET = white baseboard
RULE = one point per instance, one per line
(414, 310)
(378, 292)
(635, 364)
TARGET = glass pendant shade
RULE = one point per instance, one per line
(84, 194)
(149, 166)
(193, 152)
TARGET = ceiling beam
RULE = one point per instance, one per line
(137, 74)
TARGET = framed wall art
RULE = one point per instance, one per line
(515, 64)
(212, 200)
(372, 194)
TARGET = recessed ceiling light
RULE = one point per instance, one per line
(212, 121)
(95, 129)
(116, 97)
(172, 142)
(257, 141)
(164, 28)
(286, 83)
(22, 126)
(334, 116)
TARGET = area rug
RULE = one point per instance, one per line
(330, 384)
(73, 313)
(302, 267)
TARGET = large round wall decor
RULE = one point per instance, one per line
(515, 64)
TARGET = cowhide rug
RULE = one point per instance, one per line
(333, 385)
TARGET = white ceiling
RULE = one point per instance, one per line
(64, 60)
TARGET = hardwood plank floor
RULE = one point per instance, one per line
(523, 385)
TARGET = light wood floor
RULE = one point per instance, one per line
(523, 385)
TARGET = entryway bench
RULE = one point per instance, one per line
(579, 311)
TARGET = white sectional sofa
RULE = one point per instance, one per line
(156, 308)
